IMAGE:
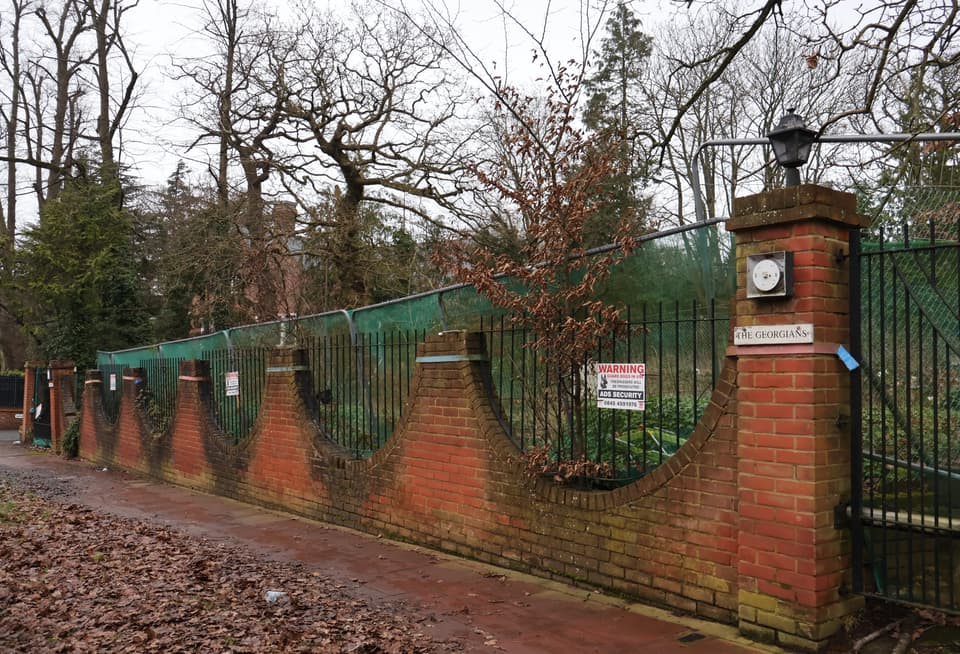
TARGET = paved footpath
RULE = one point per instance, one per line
(472, 602)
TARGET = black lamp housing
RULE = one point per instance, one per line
(792, 140)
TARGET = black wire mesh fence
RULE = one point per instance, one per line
(237, 379)
(556, 413)
(157, 398)
(906, 453)
(362, 384)
(112, 390)
(11, 391)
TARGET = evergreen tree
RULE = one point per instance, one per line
(78, 277)
(612, 98)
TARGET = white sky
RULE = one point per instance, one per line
(161, 29)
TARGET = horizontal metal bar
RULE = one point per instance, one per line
(450, 358)
(698, 204)
(909, 520)
(918, 467)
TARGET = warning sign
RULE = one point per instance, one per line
(232, 383)
(621, 386)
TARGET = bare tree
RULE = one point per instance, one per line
(10, 60)
(371, 107)
(879, 40)
(236, 106)
(105, 18)
(63, 31)
(745, 101)
(237, 101)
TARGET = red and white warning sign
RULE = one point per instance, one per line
(621, 386)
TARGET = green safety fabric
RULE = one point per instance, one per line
(695, 264)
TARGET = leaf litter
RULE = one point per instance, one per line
(73, 579)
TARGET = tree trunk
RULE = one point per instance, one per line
(347, 253)
(104, 134)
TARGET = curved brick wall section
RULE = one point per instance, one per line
(736, 526)
(449, 478)
(98, 437)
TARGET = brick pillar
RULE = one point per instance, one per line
(90, 416)
(61, 404)
(191, 419)
(29, 382)
(793, 421)
(282, 455)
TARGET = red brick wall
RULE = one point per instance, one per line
(736, 526)
(793, 422)
(98, 437)
(9, 419)
(449, 479)
(62, 409)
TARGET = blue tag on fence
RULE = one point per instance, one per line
(847, 358)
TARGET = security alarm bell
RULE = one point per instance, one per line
(770, 275)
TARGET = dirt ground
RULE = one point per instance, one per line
(898, 628)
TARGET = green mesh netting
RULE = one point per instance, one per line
(194, 348)
(462, 307)
(130, 358)
(694, 264)
(416, 312)
(323, 324)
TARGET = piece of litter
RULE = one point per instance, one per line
(275, 596)
(691, 637)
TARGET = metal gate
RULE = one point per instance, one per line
(41, 407)
(905, 396)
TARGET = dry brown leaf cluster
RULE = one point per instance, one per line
(75, 580)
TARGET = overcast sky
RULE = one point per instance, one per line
(162, 29)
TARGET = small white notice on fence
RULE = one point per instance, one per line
(113, 382)
(622, 386)
(232, 383)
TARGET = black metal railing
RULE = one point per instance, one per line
(112, 390)
(157, 399)
(361, 385)
(237, 379)
(11, 391)
(905, 321)
(79, 386)
(554, 412)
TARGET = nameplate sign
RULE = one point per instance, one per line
(773, 334)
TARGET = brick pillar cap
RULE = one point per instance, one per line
(292, 355)
(795, 203)
(456, 341)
